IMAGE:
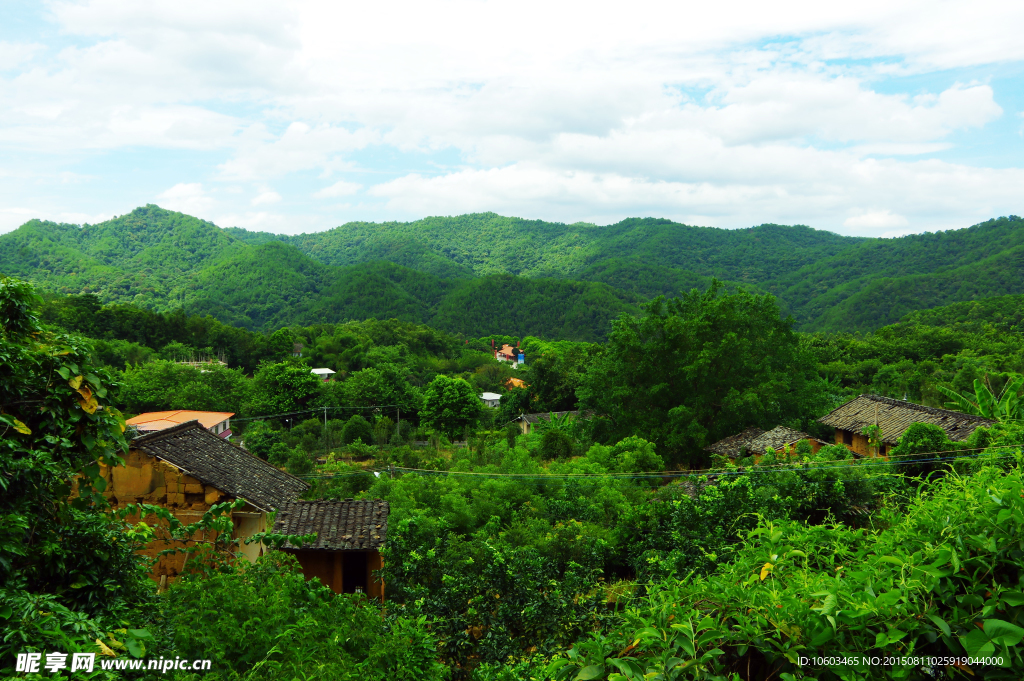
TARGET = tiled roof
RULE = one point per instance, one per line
(777, 438)
(735, 445)
(339, 525)
(158, 420)
(895, 416)
(755, 441)
(215, 461)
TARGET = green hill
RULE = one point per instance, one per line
(485, 273)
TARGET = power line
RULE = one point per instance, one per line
(315, 410)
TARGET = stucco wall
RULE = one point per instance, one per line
(860, 444)
(146, 480)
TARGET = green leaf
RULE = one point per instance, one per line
(943, 627)
(136, 647)
(977, 644)
(591, 672)
(1003, 632)
(822, 637)
(64, 373)
(5, 612)
(1013, 598)
(141, 634)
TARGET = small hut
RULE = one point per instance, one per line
(893, 417)
(754, 442)
(349, 536)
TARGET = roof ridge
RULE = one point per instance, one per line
(164, 432)
(892, 401)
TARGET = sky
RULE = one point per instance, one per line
(868, 119)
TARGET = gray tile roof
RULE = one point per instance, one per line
(753, 440)
(777, 438)
(735, 445)
(339, 525)
(895, 416)
(214, 461)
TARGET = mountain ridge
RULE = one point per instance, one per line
(431, 269)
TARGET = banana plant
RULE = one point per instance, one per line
(1007, 406)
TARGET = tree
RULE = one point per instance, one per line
(357, 428)
(555, 444)
(58, 550)
(698, 368)
(1006, 406)
(162, 384)
(383, 430)
(382, 385)
(450, 406)
(259, 438)
(282, 387)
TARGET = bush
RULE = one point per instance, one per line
(357, 428)
(300, 463)
(279, 454)
(265, 621)
(555, 444)
(259, 438)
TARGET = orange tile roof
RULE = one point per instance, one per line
(158, 420)
(517, 382)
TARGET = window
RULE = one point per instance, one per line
(847, 438)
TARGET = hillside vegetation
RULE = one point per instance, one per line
(599, 547)
(485, 273)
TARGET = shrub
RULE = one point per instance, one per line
(260, 438)
(265, 621)
(555, 444)
(300, 463)
(357, 428)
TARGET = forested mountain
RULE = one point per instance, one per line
(484, 273)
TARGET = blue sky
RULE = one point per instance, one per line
(878, 119)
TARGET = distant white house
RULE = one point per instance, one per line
(490, 399)
(324, 374)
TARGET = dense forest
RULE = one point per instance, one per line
(604, 544)
(484, 273)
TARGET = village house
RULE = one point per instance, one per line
(349, 536)
(754, 442)
(893, 417)
(324, 374)
(187, 469)
(217, 422)
(528, 422)
(490, 399)
(508, 353)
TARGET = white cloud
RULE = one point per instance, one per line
(13, 54)
(266, 196)
(15, 216)
(874, 220)
(339, 188)
(187, 197)
(737, 112)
